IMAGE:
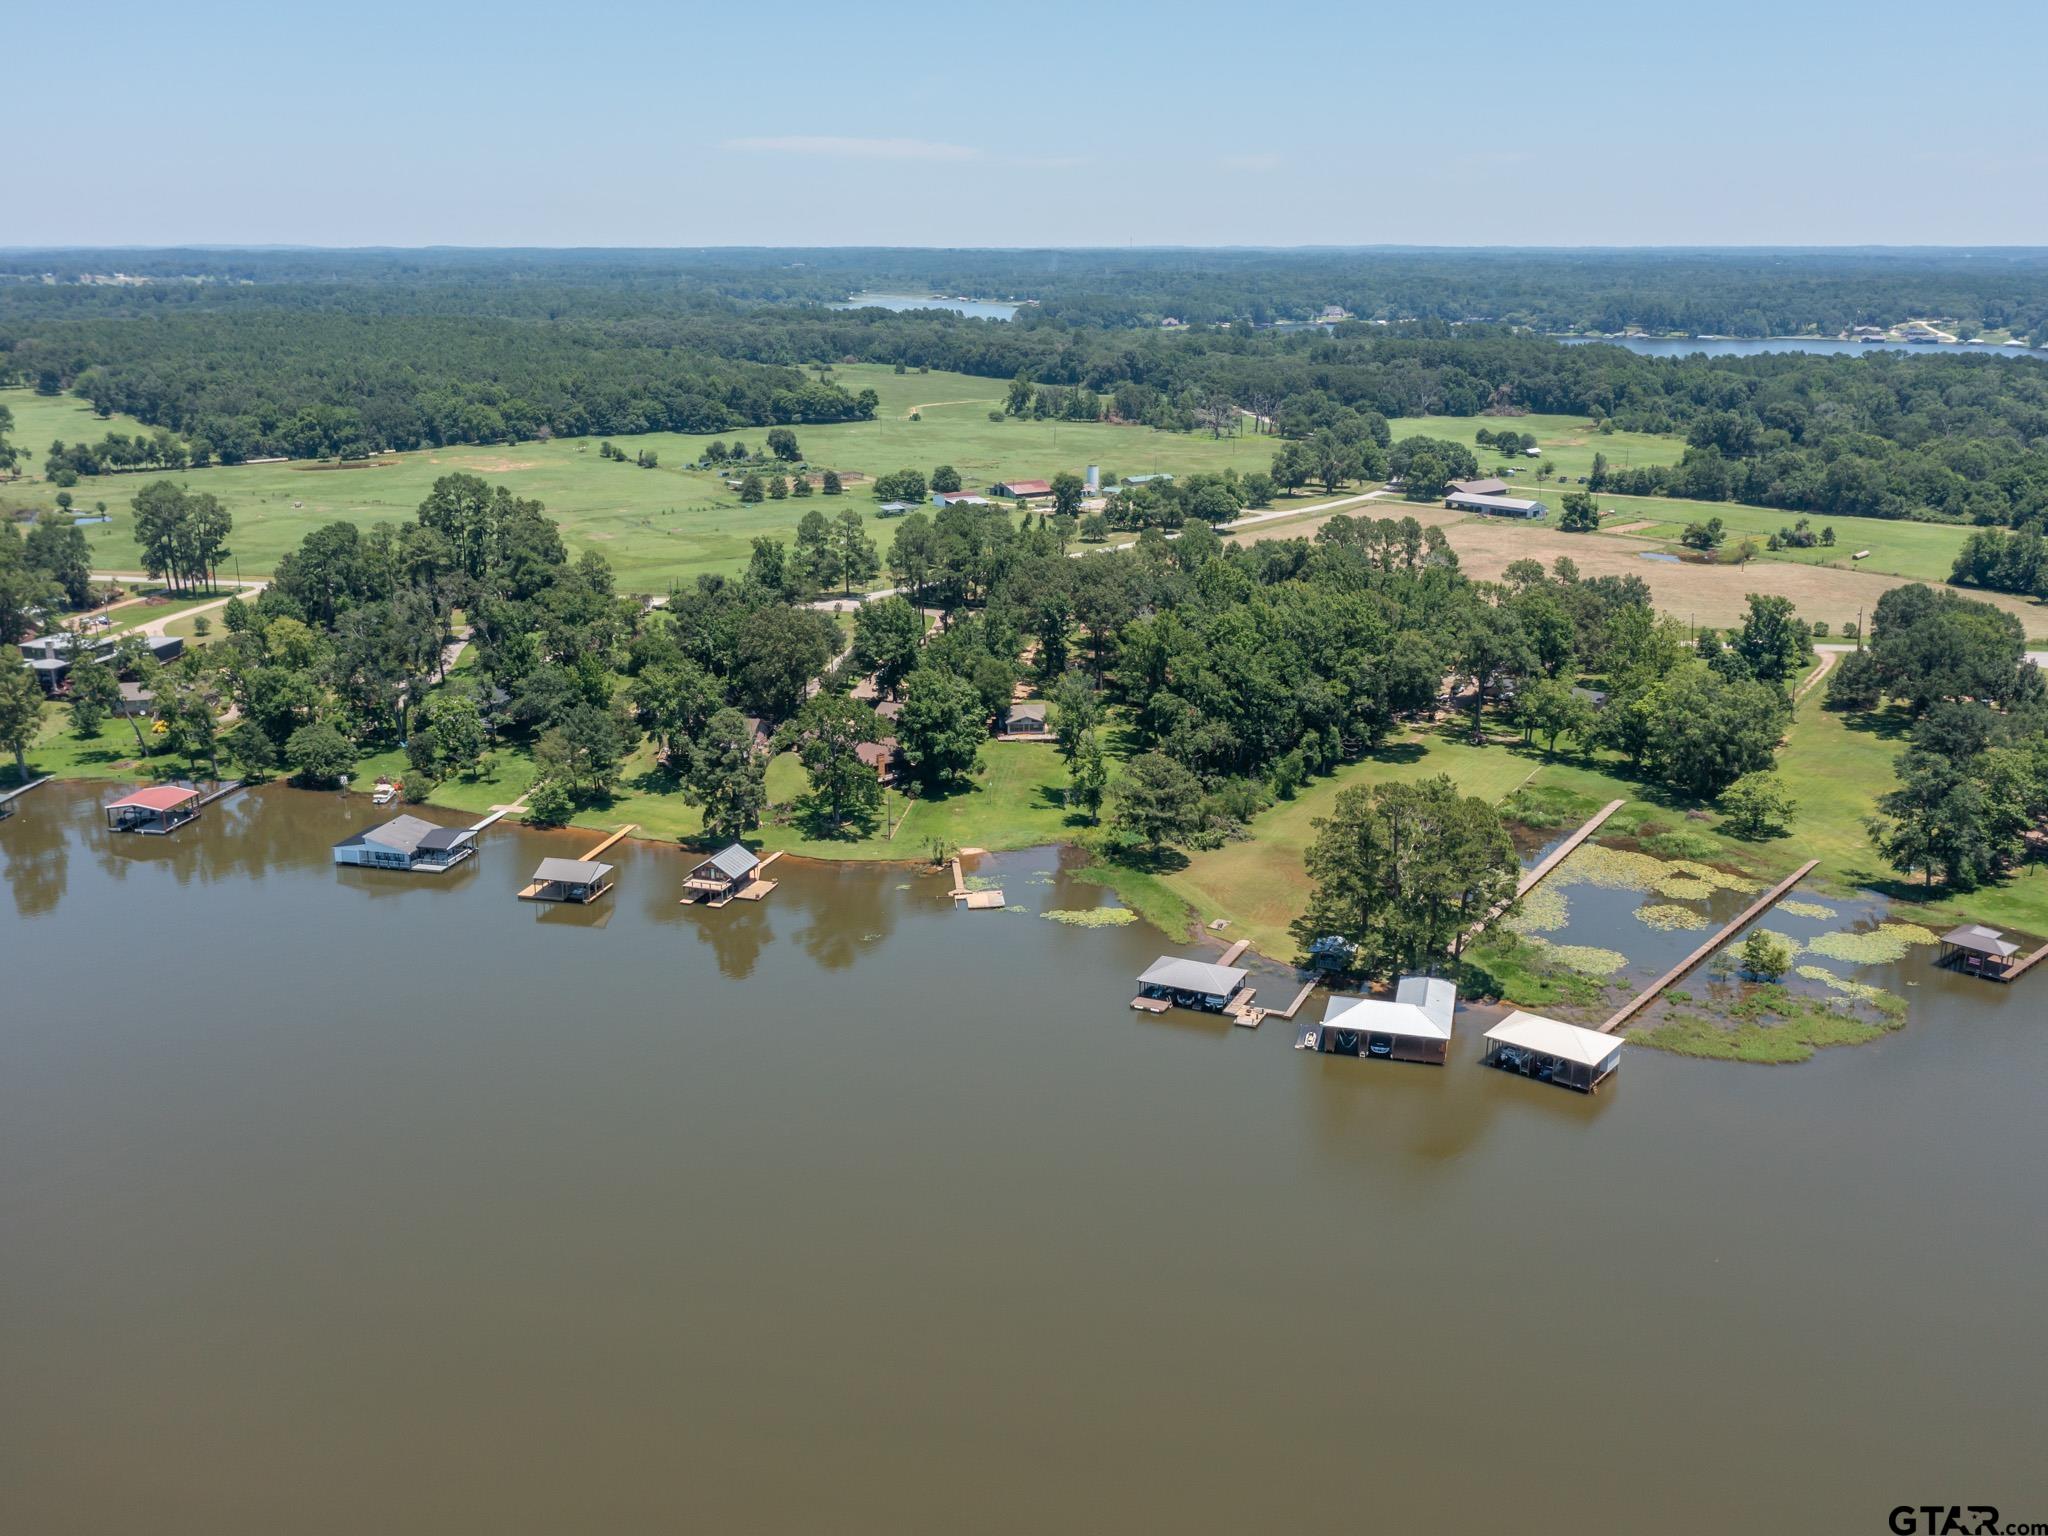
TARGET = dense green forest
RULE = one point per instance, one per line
(334, 354)
(1693, 292)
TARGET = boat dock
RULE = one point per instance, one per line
(580, 880)
(758, 887)
(500, 812)
(974, 901)
(221, 792)
(7, 800)
(1750, 914)
(1230, 955)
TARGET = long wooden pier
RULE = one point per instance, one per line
(2025, 965)
(1750, 914)
(1564, 850)
(17, 793)
(630, 826)
(1230, 955)
(220, 792)
(501, 812)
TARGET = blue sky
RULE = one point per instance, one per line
(1285, 122)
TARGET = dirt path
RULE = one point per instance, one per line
(1827, 663)
(910, 410)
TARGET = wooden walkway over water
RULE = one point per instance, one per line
(1750, 914)
(631, 826)
(17, 793)
(220, 792)
(1564, 850)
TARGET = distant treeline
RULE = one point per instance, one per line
(1730, 293)
(587, 346)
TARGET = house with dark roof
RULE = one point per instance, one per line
(1026, 717)
(407, 842)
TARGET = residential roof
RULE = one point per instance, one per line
(1491, 486)
(1979, 940)
(877, 754)
(444, 838)
(1193, 976)
(158, 797)
(1436, 996)
(571, 871)
(733, 861)
(1028, 709)
(1493, 503)
(1548, 1037)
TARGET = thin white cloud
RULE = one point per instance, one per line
(1250, 162)
(834, 147)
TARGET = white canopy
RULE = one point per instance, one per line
(1372, 1017)
(1548, 1037)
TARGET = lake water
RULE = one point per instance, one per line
(1662, 346)
(351, 1201)
(974, 309)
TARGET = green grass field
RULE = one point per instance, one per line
(656, 526)
(1918, 551)
(1568, 442)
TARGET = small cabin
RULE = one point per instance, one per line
(159, 809)
(1172, 982)
(722, 876)
(407, 842)
(1025, 718)
(1552, 1052)
(580, 880)
(1415, 1026)
(1978, 950)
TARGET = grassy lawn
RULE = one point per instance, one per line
(656, 526)
(109, 754)
(1921, 551)
(1569, 442)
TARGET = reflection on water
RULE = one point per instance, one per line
(345, 1201)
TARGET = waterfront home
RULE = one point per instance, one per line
(50, 657)
(581, 880)
(159, 809)
(135, 700)
(722, 876)
(1496, 506)
(1172, 982)
(407, 842)
(1552, 1052)
(1415, 1026)
(1979, 950)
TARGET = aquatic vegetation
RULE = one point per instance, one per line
(1811, 909)
(1719, 879)
(1586, 959)
(1796, 946)
(1885, 1002)
(1683, 888)
(1670, 919)
(1681, 844)
(1613, 869)
(1092, 917)
(1544, 910)
(1883, 945)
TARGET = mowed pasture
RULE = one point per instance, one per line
(656, 526)
(1921, 551)
(1568, 443)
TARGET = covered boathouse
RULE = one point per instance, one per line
(722, 876)
(407, 842)
(159, 809)
(1171, 982)
(1978, 950)
(568, 880)
(1415, 1026)
(1552, 1052)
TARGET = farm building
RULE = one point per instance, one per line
(1021, 489)
(1415, 1026)
(1487, 487)
(1496, 506)
(959, 499)
(1532, 453)
(407, 842)
(159, 809)
(1979, 950)
(1542, 1048)
(1177, 983)
(1146, 479)
(722, 876)
(892, 509)
(581, 880)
